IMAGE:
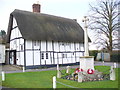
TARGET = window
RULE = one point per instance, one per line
(46, 55)
(21, 47)
(36, 43)
(14, 41)
(64, 55)
(42, 55)
(73, 53)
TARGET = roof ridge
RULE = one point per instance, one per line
(17, 10)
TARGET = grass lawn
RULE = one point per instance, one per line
(43, 79)
(0, 80)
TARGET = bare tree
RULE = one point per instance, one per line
(104, 21)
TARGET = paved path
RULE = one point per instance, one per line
(13, 69)
(106, 64)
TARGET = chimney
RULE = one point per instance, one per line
(36, 7)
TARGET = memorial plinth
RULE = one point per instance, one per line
(87, 62)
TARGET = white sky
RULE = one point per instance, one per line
(74, 9)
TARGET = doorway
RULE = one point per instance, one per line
(12, 58)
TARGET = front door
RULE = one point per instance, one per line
(12, 57)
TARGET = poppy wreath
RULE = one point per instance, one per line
(90, 71)
(78, 70)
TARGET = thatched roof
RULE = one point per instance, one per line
(39, 26)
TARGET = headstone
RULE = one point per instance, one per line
(68, 69)
(112, 73)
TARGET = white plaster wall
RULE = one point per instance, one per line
(15, 32)
(29, 58)
(50, 46)
(36, 57)
(58, 47)
(61, 47)
(78, 56)
(77, 47)
(51, 58)
(43, 45)
(72, 47)
(60, 58)
(12, 45)
(28, 44)
(2, 53)
(81, 47)
(20, 57)
(37, 46)
(15, 44)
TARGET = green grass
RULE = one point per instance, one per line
(43, 79)
(0, 80)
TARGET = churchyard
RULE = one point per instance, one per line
(43, 79)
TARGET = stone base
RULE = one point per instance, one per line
(96, 76)
(87, 62)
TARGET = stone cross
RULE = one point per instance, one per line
(86, 36)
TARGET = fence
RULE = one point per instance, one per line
(3, 75)
(55, 83)
(110, 76)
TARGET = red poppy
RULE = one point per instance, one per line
(78, 70)
(90, 71)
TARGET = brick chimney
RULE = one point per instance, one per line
(36, 8)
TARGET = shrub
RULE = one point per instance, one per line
(94, 53)
(115, 57)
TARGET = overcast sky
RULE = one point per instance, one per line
(74, 9)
